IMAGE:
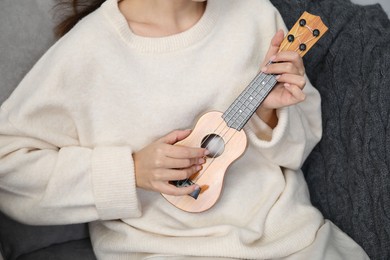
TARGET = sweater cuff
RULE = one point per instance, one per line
(263, 135)
(114, 183)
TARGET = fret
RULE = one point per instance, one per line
(225, 143)
(304, 34)
(246, 104)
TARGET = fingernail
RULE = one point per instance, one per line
(264, 69)
(198, 167)
(277, 77)
(206, 152)
(201, 160)
(272, 58)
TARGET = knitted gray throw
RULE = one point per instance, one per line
(348, 172)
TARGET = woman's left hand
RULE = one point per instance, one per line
(290, 71)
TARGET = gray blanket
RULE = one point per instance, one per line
(348, 171)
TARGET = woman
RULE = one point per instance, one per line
(89, 134)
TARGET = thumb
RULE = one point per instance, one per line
(274, 46)
(175, 136)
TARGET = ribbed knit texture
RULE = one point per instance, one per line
(164, 44)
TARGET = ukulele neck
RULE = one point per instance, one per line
(246, 104)
(304, 34)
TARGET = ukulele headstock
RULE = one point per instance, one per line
(304, 34)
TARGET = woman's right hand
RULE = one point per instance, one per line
(161, 162)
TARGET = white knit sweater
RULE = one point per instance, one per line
(100, 93)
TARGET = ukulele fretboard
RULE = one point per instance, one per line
(245, 105)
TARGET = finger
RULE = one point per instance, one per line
(281, 68)
(175, 136)
(184, 152)
(293, 57)
(296, 92)
(292, 79)
(274, 46)
(182, 174)
(173, 163)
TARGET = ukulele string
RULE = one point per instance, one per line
(306, 42)
(309, 28)
(215, 131)
(208, 147)
(202, 172)
(228, 129)
(205, 140)
(225, 126)
(265, 81)
(251, 94)
(297, 36)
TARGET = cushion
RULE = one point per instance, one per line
(78, 249)
(26, 33)
(348, 172)
(18, 239)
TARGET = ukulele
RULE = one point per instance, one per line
(222, 133)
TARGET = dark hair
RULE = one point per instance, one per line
(69, 12)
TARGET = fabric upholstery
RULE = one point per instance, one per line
(348, 172)
(18, 239)
(25, 34)
(76, 249)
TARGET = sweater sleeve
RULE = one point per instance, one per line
(46, 175)
(298, 130)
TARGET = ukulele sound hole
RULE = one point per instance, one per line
(214, 144)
